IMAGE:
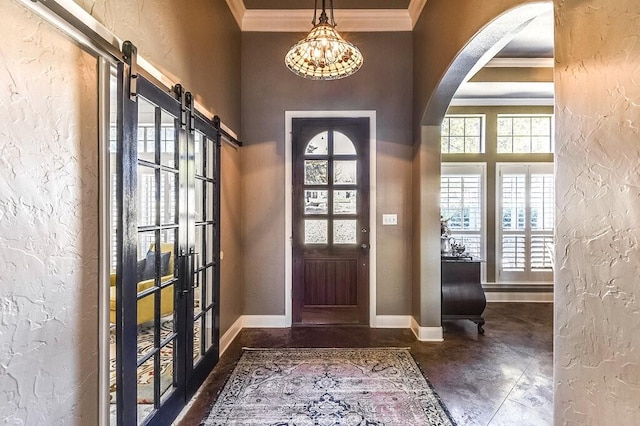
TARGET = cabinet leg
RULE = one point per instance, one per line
(480, 328)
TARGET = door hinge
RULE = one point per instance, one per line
(130, 57)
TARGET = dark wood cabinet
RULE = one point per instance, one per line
(462, 293)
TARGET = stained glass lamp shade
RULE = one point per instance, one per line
(323, 54)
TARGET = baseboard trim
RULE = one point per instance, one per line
(231, 334)
(426, 334)
(392, 321)
(521, 297)
(265, 321)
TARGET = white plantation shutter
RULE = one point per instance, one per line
(526, 218)
(541, 220)
(461, 201)
(514, 206)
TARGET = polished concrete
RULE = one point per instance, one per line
(503, 377)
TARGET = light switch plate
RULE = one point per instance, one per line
(389, 219)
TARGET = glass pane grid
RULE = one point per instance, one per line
(345, 172)
(318, 145)
(316, 172)
(462, 134)
(525, 134)
(316, 231)
(345, 232)
(316, 202)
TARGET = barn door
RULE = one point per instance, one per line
(165, 287)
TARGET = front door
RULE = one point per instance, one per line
(330, 221)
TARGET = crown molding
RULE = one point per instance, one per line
(349, 20)
(415, 9)
(521, 63)
(485, 102)
(238, 10)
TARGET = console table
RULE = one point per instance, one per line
(462, 293)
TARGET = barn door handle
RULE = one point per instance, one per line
(364, 246)
(195, 266)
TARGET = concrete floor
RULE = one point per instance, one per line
(503, 377)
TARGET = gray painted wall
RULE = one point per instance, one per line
(269, 89)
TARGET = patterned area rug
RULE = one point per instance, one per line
(286, 387)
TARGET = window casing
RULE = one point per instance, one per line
(525, 222)
(462, 202)
(463, 134)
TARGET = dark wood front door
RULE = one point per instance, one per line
(330, 221)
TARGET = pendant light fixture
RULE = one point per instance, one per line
(323, 54)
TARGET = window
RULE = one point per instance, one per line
(525, 222)
(462, 203)
(462, 134)
(519, 134)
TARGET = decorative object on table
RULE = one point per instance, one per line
(328, 386)
(445, 237)
(457, 249)
(323, 54)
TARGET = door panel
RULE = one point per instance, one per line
(205, 331)
(167, 279)
(331, 221)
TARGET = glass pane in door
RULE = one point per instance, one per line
(157, 196)
(168, 140)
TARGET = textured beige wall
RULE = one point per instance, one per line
(597, 362)
(268, 90)
(196, 43)
(48, 225)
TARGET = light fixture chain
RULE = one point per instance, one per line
(333, 21)
(315, 11)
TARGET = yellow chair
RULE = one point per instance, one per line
(146, 304)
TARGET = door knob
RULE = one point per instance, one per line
(364, 246)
